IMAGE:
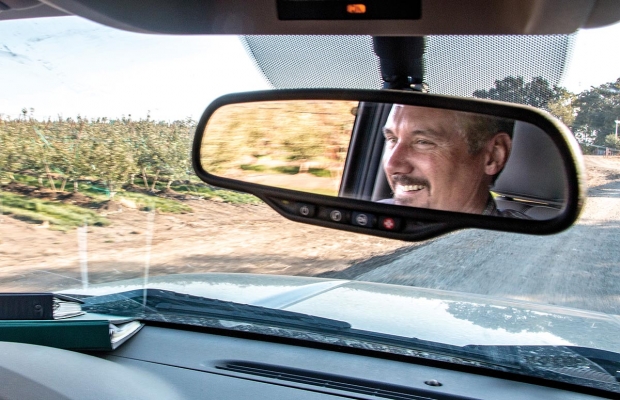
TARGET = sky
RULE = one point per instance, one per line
(595, 59)
(69, 66)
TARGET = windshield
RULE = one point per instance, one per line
(98, 197)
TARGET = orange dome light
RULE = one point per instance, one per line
(356, 8)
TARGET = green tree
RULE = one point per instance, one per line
(177, 152)
(562, 106)
(536, 93)
(43, 151)
(71, 156)
(138, 137)
(13, 149)
(612, 141)
(110, 155)
(597, 109)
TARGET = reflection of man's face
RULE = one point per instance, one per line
(428, 164)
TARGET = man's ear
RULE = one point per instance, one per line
(497, 153)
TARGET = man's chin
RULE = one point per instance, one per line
(411, 202)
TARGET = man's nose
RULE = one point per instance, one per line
(396, 160)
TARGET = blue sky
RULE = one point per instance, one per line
(71, 66)
(68, 66)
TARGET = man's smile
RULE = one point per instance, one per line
(410, 188)
(403, 184)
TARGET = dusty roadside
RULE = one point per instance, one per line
(216, 237)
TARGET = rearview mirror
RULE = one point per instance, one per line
(396, 164)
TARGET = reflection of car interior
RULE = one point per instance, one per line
(532, 182)
(521, 186)
(364, 178)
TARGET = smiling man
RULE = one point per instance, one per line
(443, 159)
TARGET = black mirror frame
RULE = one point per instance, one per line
(418, 223)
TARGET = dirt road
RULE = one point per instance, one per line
(578, 268)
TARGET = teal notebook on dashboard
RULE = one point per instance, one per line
(69, 334)
(39, 306)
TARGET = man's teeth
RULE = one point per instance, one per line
(412, 188)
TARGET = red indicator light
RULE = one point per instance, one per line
(388, 223)
(356, 8)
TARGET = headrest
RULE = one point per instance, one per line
(534, 170)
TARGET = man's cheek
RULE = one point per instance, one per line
(391, 183)
(387, 168)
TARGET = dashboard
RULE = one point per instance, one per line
(160, 362)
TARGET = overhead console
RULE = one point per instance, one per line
(369, 17)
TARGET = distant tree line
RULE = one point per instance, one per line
(591, 114)
(113, 152)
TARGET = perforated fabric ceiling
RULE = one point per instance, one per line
(454, 65)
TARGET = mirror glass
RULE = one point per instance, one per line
(404, 155)
(299, 145)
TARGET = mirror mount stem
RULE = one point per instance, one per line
(401, 60)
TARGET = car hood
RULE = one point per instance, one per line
(441, 316)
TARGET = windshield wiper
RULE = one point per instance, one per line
(156, 302)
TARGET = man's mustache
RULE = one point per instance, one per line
(405, 180)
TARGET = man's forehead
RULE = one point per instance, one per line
(408, 109)
(434, 118)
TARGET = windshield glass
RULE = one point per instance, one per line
(98, 197)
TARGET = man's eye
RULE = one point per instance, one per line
(390, 141)
(424, 143)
